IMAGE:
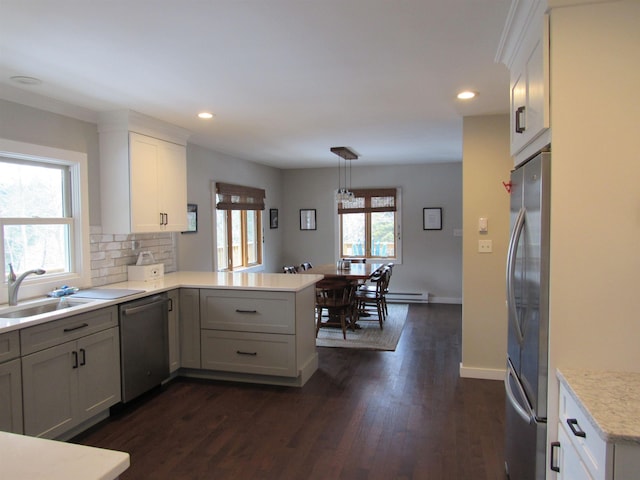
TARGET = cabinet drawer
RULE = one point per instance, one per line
(264, 312)
(590, 447)
(264, 354)
(572, 466)
(9, 346)
(46, 335)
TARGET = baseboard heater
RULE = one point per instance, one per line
(408, 297)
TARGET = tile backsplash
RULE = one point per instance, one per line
(112, 253)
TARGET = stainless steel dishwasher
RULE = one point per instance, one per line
(144, 344)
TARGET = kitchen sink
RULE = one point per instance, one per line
(39, 307)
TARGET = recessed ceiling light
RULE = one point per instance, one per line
(205, 115)
(466, 95)
(24, 80)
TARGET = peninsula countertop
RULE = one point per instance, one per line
(219, 280)
(611, 401)
(30, 458)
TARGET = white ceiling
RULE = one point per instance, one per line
(286, 79)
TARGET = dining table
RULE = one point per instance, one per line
(356, 271)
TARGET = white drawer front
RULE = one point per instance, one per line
(591, 448)
(264, 354)
(264, 312)
(572, 465)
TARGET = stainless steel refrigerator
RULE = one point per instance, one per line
(528, 306)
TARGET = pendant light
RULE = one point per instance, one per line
(344, 193)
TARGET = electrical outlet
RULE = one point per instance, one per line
(485, 246)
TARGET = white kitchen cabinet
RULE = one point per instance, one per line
(143, 174)
(526, 53)
(583, 453)
(190, 328)
(158, 185)
(73, 372)
(174, 330)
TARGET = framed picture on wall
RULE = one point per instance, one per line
(307, 219)
(432, 218)
(273, 218)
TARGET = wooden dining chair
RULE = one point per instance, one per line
(375, 295)
(337, 297)
(373, 285)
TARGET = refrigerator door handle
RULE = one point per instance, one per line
(526, 414)
(511, 264)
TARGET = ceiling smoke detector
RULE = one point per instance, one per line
(24, 80)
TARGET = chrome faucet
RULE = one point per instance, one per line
(14, 282)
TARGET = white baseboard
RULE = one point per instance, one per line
(408, 297)
(482, 373)
(451, 300)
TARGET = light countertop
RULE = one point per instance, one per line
(275, 282)
(611, 401)
(30, 458)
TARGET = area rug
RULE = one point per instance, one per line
(368, 336)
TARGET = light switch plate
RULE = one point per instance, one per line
(485, 246)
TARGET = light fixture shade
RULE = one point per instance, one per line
(343, 194)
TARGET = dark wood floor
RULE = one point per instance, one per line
(363, 415)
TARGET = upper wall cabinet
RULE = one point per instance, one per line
(524, 49)
(143, 174)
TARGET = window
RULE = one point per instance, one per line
(238, 226)
(43, 215)
(368, 224)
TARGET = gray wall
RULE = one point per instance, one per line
(31, 125)
(431, 260)
(195, 250)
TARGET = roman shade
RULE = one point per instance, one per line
(367, 200)
(238, 197)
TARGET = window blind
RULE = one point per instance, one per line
(367, 200)
(238, 197)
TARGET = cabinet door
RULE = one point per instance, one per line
(190, 327)
(158, 172)
(50, 390)
(144, 191)
(571, 465)
(98, 372)
(11, 397)
(174, 330)
(530, 89)
(172, 182)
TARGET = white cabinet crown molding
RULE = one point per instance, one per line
(521, 13)
(131, 121)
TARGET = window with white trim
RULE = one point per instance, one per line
(368, 224)
(43, 216)
(238, 226)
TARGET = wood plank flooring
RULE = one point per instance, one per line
(363, 415)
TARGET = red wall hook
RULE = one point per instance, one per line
(507, 186)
